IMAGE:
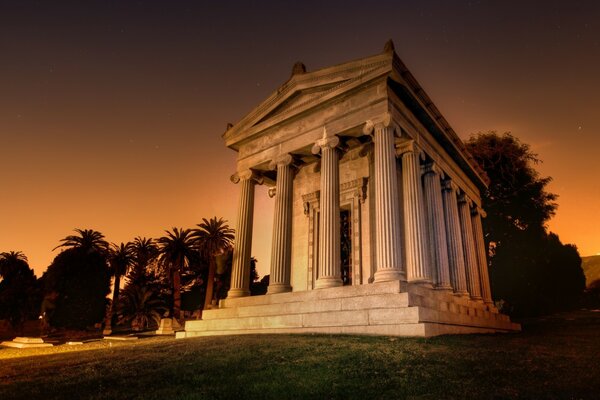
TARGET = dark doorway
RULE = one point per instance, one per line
(346, 246)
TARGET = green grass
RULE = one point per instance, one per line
(556, 357)
(591, 268)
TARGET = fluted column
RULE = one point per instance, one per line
(414, 217)
(437, 230)
(466, 228)
(456, 257)
(240, 272)
(281, 251)
(329, 220)
(387, 211)
(486, 291)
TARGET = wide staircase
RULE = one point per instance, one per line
(390, 308)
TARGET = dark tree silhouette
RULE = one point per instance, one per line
(88, 239)
(120, 259)
(79, 281)
(212, 237)
(176, 249)
(19, 294)
(145, 252)
(530, 269)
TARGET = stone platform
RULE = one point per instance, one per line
(391, 308)
(26, 343)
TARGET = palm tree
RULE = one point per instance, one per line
(145, 252)
(212, 237)
(142, 306)
(18, 289)
(88, 240)
(120, 259)
(176, 249)
(10, 262)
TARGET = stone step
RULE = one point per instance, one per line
(378, 316)
(318, 294)
(387, 300)
(344, 318)
(425, 329)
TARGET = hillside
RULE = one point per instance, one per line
(591, 268)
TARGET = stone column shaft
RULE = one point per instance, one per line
(281, 251)
(387, 210)
(437, 229)
(486, 291)
(456, 257)
(240, 272)
(414, 219)
(469, 249)
(329, 225)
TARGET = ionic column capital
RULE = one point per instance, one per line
(448, 185)
(432, 168)
(381, 122)
(326, 142)
(282, 159)
(247, 174)
(476, 210)
(463, 198)
(409, 147)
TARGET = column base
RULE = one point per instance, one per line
(477, 298)
(278, 288)
(422, 281)
(328, 282)
(386, 275)
(462, 293)
(444, 287)
(238, 293)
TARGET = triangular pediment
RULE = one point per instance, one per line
(300, 98)
(306, 90)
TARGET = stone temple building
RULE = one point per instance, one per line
(377, 225)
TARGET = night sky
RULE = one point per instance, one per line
(111, 112)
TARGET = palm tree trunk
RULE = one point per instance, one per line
(115, 300)
(176, 295)
(212, 266)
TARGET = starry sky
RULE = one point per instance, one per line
(111, 112)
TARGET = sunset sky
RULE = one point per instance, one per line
(111, 112)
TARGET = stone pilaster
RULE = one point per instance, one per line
(281, 251)
(466, 228)
(329, 268)
(240, 273)
(456, 257)
(486, 291)
(387, 210)
(436, 227)
(414, 217)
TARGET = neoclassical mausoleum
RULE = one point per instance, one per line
(377, 225)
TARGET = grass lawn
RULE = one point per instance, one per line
(557, 357)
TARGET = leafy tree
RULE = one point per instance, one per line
(530, 269)
(19, 294)
(120, 259)
(212, 237)
(79, 281)
(176, 249)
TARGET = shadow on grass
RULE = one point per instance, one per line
(554, 357)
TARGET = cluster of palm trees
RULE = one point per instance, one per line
(172, 254)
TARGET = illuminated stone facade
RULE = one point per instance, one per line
(377, 225)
